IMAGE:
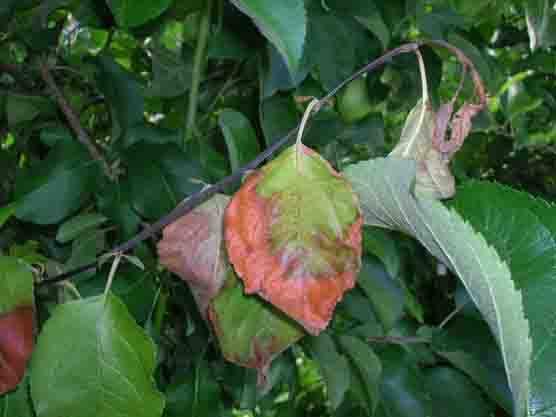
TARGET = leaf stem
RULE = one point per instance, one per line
(112, 273)
(198, 67)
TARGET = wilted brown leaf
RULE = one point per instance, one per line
(192, 247)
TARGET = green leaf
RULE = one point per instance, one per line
(402, 385)
(470, 347)
(367, 365)
(123, 94)
(529, 248)
(130, 13)
(136, 288)
(250, 332)
(67, 176)
(454, 394)
(382, 244)
(384, 188)
(114, 201)
(16, 284)
(84, 250)
(196, 394)
(541, 23)
(278, 116)
(385, 294)
(333, 366)
(240, 137)
(21, 108)
(17, 403)
(158, 184)
(55, 135)
(283, 23)
(78, 225)
(92, 359)
(172, 72)
(277, 77)
(6, 212)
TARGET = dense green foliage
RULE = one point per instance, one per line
(112, 112)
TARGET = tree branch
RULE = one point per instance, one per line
(198, 198)
(73, 120)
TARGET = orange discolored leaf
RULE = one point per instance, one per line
(193, 248)
(16, 345)
(293, 234)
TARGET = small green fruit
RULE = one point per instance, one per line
(354, 103)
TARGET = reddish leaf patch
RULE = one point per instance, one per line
(193, 249)
(304, 276)
(16, 346)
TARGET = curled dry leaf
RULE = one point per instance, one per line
(433, 177)
(192, 247)
(293, 234)
(16, 345)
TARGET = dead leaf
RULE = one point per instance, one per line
(193, 248)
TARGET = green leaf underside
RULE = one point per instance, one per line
(16, 284)
(384, 187)
(92, 352)
(240, 137)
(509, 222)
(250, 331)
(314, 209)
(283, 23)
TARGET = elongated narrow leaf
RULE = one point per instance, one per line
(385, 189)
(193, 248)
(367, 366)
(513, 223)
(240, 137)
(282, 22)
(250, 332)
(333, 366)
(92, 359)
(293, 234)
(78, 225)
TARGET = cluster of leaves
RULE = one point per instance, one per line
(111, 113)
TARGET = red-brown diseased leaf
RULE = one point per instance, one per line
(293, 234)
(16, 345)
(250, 332)
(192, 247)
